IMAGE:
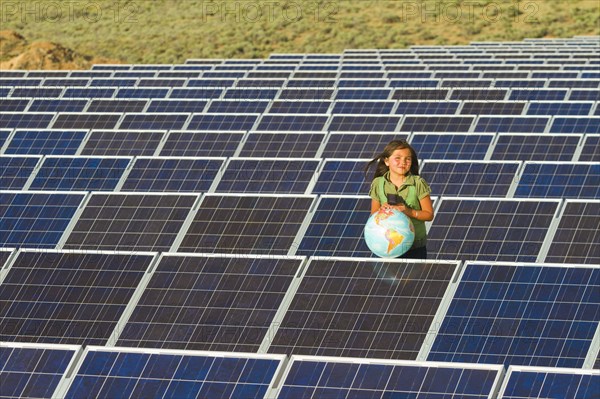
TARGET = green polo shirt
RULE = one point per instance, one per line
(412, 197)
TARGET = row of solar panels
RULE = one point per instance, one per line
(475, 312)
(485, 229)
(69, 371)
(508, 179)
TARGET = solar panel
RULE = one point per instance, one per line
(342, 176)
(68, 297)
(584, 95)
(362, 123)
(63, 173)
(172, 174)
(560, 180)
(299, 107)
(246, 224)
(13, 105)
(520, 314)
(282, 145)
(536, 147)
(306, 94)
(58, 105)
(205, 302)
(15, 171)
(162, 82)
(69, 82)
(105, 106)
(490, 229)
(427, 107)
(357, 145)
(36, 220)
(473, 94)
(559, 108)
(130, 221)
(363, 94)
(292, 122)
(520, 83)
(36, 92)
(156, 121)
(505, 124)
(492, 108)
(196, 93)
(575, 125)
(33, 371)
(222, 122)
(86, 120)
(88, 92)
(312, 376)
(362, 107)
(23, 120)
(142, 93)
(470, 178)
(238, 107)
(122, 143)
(45, 142)
(437, 123)
(201, 144)
(576, 237)
(591, 148)
(252, 175)
(4, 136)
(545, 382)
(173, 374)
(362, 83)
(537, 95)
(451, 146)
(113, 82)
(251, 94)
(363, 308)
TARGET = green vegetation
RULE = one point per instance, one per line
(171, 31)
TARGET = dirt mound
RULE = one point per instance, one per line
(17, 53)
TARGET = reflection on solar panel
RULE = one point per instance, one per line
(342, 176)
(16, 120)
(122, 142)
(559, 108)
(157, 121)
(359, 145)
(46, 142)
(246, 224)
(451, 146)
(362, 123)
(201, 144)
(437, 124)
(535, 147)
(336, 228)
(238, 107)
(33, 371)
(314, 377)
(290, 145)
(490, 230)
(15, 171)
(577, 235)
(35, 220)
(511, 124)
(172, 174)
(210, 302)
(299, 107)
(560, 180)
(79, 173)
(292, 122)
(129, 221)
(427, 107)
(172, 374)
(68, 297)
(575, 125)
(363, 308)
(86, 121)
(222, 122)
(117, 106)
(470, 179)
(545, 382)
(520, 314)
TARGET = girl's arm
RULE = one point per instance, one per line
(375, 205)
(424, 214)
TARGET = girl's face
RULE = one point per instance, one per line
(399, 162)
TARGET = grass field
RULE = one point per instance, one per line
(171, 31)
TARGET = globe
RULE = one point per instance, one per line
(389, 233)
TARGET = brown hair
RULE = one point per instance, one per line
(387, 152)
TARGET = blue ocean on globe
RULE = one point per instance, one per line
(389, 233)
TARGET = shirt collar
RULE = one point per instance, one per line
(410, 179)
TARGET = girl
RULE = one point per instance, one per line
(397, 184)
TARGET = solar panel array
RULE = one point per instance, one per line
(196, 229)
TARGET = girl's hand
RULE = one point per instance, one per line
(401, 208)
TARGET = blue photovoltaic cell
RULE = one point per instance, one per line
(299, 107)
(470, 179)
(68, 297)
(450, 146)
(251, 94)
(46, 142)
(36, 92)
(173, 106)
(544, 383)
(490, 230)
(297, 122)
(359, 145)
(142, 93)
(120, 372)
(222, 122)
(157, 121)
(558, 108)
(427, 107)
(91, 92)
(584, 95)
(362, 123)
(535, 147)
(560, 180)
(306, 94)
(35, 220)
(361, 83)
(506, 124)
(110, 82)
(577, 235)
(321, 378)
(591, 149)
(172, 174)
(15, 171)
(32, 372)
(415, 83)
(224, 303)
(196, 93)
(437, 124)
(58, 105)
(363, 94)
(122, 142)
(79, 174)
(267, 176)
(282, 145)
(15, 120)
(531, 315)
(575, 125)
(201, 144)
(337, 227)
(343, 177)
(238, 107)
